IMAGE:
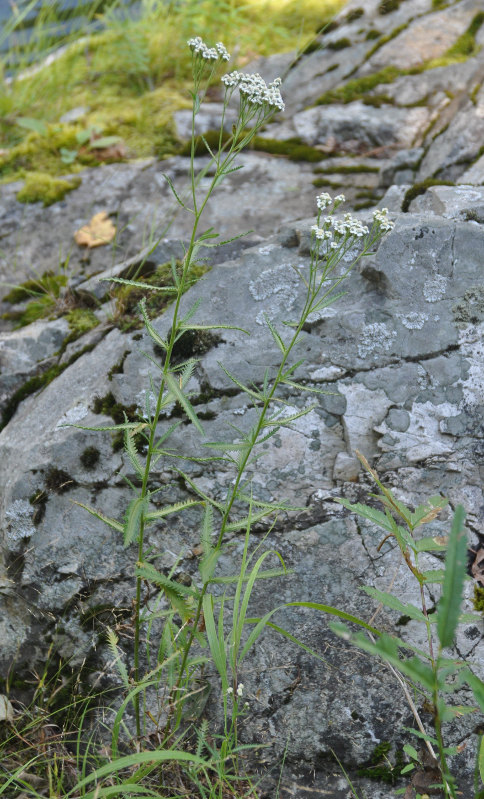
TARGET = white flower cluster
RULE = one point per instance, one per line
(240, 690)
(255, 89)
(381, 218)
(324, 199)
(198, 47)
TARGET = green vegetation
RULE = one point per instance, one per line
(293, 148)
(90, 457)
(44, 294)
(131, 76)
(387, 6)
(380, 767)
(339, 44)
(420, 188)
(478, 600)
(357, 88)
(126, 297)
(354, 14)
(347, 169)
(41, 187)
(372, 34)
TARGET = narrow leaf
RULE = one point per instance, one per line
(275, 335)
(111, 522)
(183, 400)
(392, 602)
(455, 572)
(175, 508)
(133, 520)
(247, 390)
(172, 187)
(137, 284)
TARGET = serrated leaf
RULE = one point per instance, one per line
(387, 648)
(148, 572)
(134, 515)
(448, 609)
(433, 576)
(477, 686)
(172, 187)
(214, 327)
(130, 448)
(281, 421)
(429, 544)
(302, 387)
(427, 512)
(411, 751)
(105, 428)
(245, 389)
(241, 524)
(275, 335)
(184, 401)
(175, 508)
(137, 284)
(391, 601)
(111, 522)
(372, 514)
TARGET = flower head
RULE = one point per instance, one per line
(381, 219)
(255, 90)
(200, 49)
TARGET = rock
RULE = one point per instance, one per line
(460, 202)
(401, 166)
(474, 176)
(355, 126)
(424, 38)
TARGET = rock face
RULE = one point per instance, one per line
(401, 356)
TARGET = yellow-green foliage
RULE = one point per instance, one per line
(81, 320)
(478, 598)
(357, 88)
(40, 187)
(134, 96)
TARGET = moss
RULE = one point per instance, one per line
(41, 187)
(354, 14)
(58, 481)
(339, 44)
(357, 88)
(38, 500)
(334, 184)
(379, 766)
(466, 44)
(118, 367)
(90, 457)
(378, 100)
(293, 148)
(421, 188)
(109, 406)
(127, 298)
(478, 600)
(364, 204)
(81, 321)
(372, 34)
(49, 283)
(37, 383)
(387, 6)
(346, 169)
(193, 344)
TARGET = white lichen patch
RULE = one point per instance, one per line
(434, 288)
(413, 320)
(277, 288)
(327, 373)
(73, 415)
(423, 439)
(375, 338)
(472, 348)
(19, 520)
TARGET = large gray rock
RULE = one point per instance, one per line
(400, 357)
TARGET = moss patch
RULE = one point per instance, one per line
(421, 188)
(339, 44)
(81, 321)
(387, 6)
(356, 89)
(478, 600)
(355, 14)
(41, 187)
(379, 766)
(90, 457)
(127, 298)
(58, 481)
(348, 169)
(293, 148)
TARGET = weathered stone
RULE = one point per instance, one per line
(356, 125)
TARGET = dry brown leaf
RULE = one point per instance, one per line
(99, 231)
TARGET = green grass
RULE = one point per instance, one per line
(134, 74)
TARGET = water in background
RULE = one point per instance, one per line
(68, 17)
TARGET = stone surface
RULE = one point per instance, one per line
(400, 359)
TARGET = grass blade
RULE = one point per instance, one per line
(455, 573)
